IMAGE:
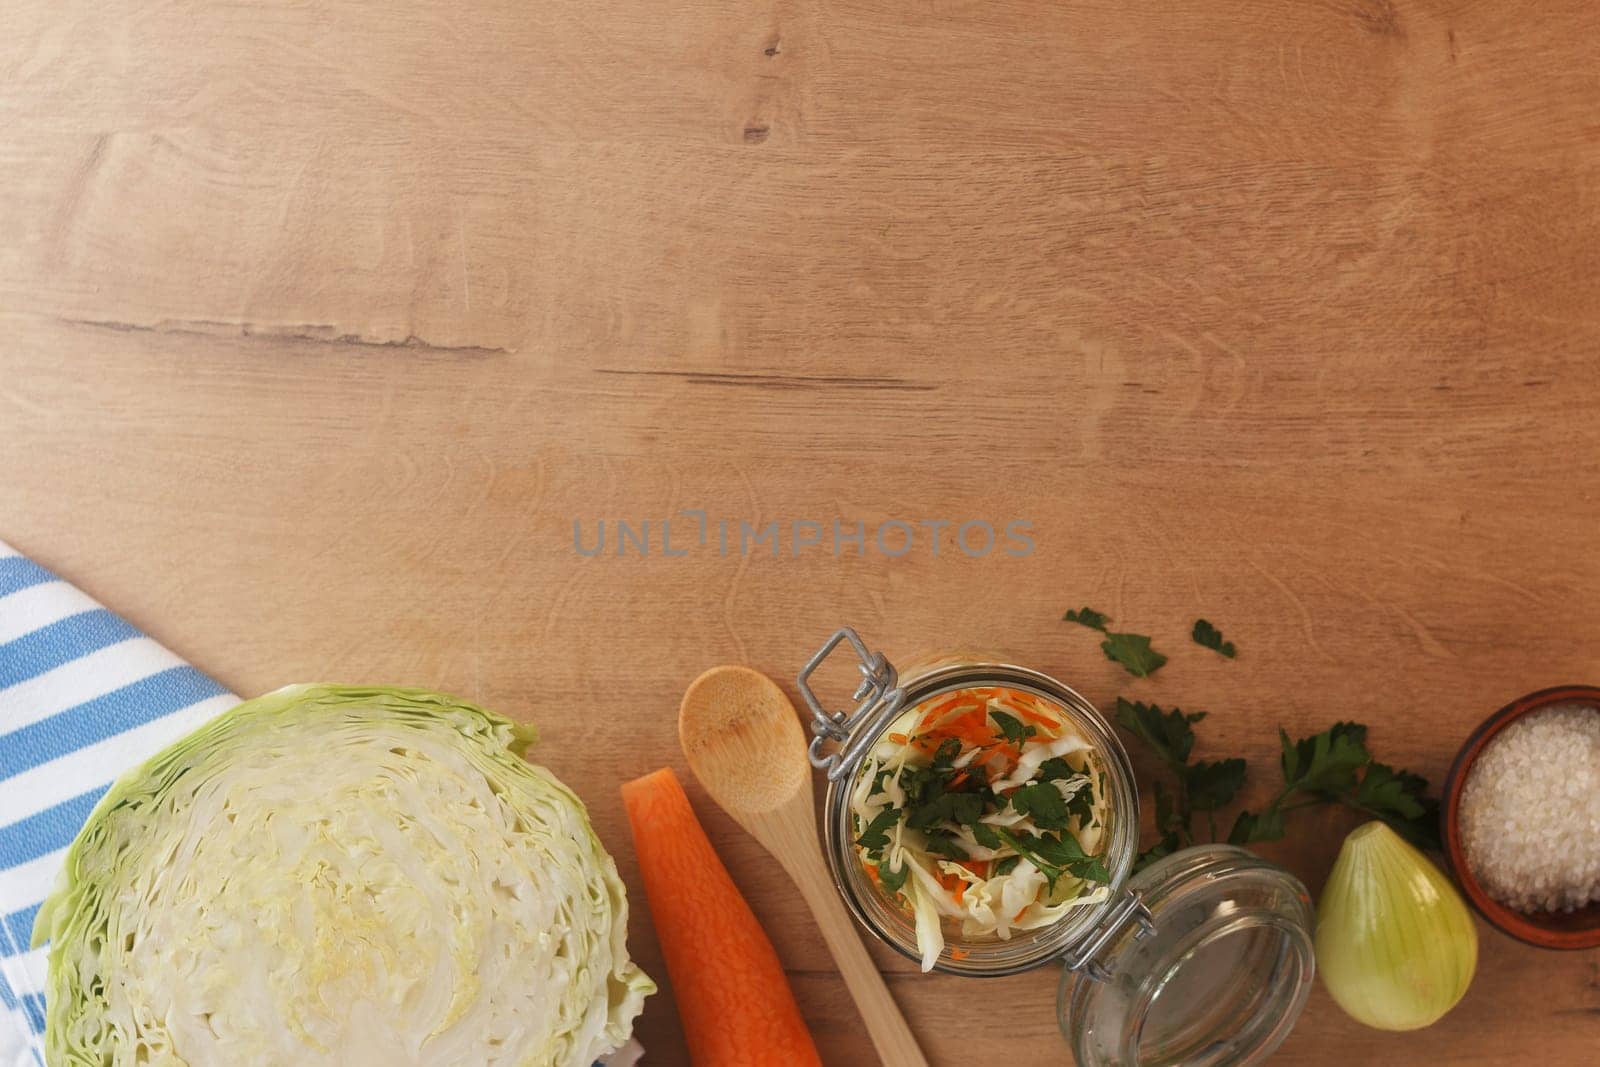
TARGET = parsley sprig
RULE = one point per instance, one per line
(1332, 767)
(1336, 767)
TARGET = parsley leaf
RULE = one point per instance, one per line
(876, 835)
(1211, 786)
(946, 845)
(1400, 799)
(1091, 869)
(1167, 818)
(1053, 768)
(1044, 802)
(1166, 845)
(1384, 789)
(1167, 733)
(1081, 804)
(984, 835)
(1250, 826)
(1006, 866)
(946, 807)
(1088, 617)
(1012, 728)
(1133, 651)
(893, 880)
(1325, 763)
(1053, 855)
(946, 753)
(1168, 825)
(1210, 637)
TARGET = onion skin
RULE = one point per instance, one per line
(1396, 945)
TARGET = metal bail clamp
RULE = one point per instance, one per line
(878, 699)
(1080, 958)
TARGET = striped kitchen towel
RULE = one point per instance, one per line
(83, 697)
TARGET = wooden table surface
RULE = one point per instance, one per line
(322, 324)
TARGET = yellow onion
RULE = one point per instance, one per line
(1395, 944)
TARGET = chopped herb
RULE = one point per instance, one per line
(876, 835)
(947, 807)
(946, 753)
(1210, 637)
(1053, 768)
(1044, 803)
(893, 880)
(946, 845)
(1091, 869)
(984, 835)
(1088, 617)
(1133, 651)
(1005, 866)
(1053, 855)
(1081, 804)
(1012, 728)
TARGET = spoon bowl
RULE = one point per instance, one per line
(743, 741)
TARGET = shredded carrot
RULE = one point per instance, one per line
(958, 953)
(1018, 916)
(939, 707)
(899, 739)
(1036, 718)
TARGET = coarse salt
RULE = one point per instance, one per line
(1530, 811)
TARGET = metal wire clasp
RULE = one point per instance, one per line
(1081, 956)
(878, 698)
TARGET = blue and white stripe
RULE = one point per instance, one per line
(83, 697)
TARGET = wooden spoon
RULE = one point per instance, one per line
(744, 743)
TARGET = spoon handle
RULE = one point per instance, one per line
(885, 1025)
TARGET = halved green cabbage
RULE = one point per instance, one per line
(340, 876)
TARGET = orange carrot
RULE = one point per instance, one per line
(733, 999)
(977, 867)
(1034, 717)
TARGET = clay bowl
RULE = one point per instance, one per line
(1561, 930)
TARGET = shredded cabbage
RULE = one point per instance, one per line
(341, 877)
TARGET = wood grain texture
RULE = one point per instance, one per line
(321, 324)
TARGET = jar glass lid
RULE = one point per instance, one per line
(1215, 971)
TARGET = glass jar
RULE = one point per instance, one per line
(1202, 958)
